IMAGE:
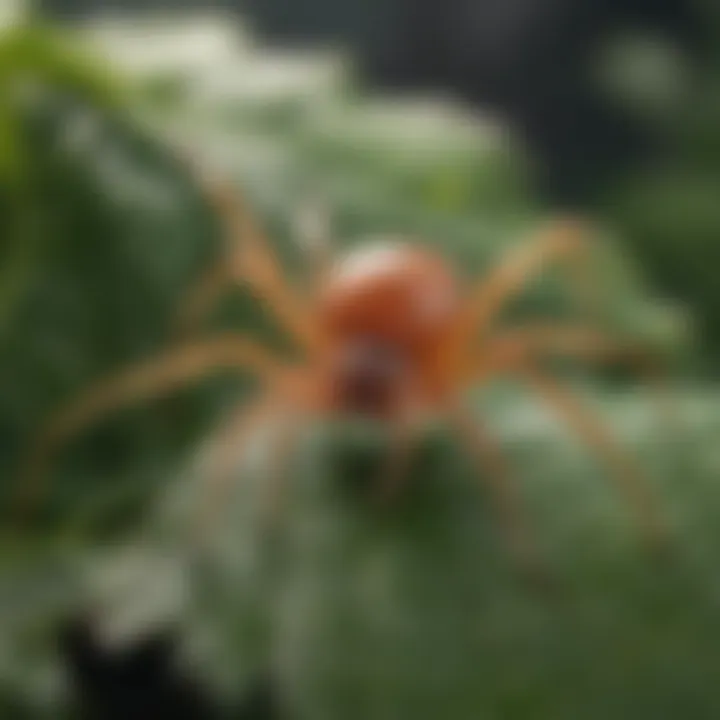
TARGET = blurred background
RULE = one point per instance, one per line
(466, 123)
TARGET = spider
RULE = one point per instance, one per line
(388, 332)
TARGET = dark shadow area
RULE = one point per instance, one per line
(145, 680)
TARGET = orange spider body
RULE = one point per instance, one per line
(386, 332)
(384, 313)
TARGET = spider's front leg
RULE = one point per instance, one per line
(563, 242)
(248, 258)
(517, 352)
(152, 378)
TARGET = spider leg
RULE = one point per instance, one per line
(152, 378)
(495, 473)
(524, 343)
(203, 297)
(286, 406)
(534, 342)
(231, 445)
(562, 241)
(623, 471)
(248, 258)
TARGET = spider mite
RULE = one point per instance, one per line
(385, 331)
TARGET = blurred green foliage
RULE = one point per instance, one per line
(668, 211)
(35, 59)
(416, 614)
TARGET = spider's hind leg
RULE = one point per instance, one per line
(628, 478)
(515, 525)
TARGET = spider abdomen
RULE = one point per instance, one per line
(385, 309)
(396, 292)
